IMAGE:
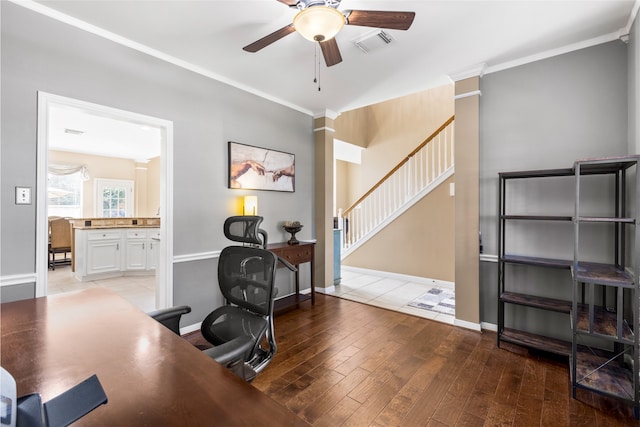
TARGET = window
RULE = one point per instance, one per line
(114, 198)
(64, 195)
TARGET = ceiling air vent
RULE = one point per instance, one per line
(373, 41)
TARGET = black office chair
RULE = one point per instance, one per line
(246, 278)
(246, 230)
(170, 317)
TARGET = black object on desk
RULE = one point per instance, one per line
(63, 409)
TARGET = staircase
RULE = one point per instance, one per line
(422, 170)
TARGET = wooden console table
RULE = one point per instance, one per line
(296, 255)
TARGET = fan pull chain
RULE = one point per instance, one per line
(316, 66)
(318, 62)
(315, 59)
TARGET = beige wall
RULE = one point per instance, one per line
(323, 197)
(421, 241)
(393, 129)
(418, 243)
(467, 247)
(153, 187)
(110, 168)
(353, 127)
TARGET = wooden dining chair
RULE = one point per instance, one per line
(59, 241)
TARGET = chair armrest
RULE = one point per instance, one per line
(170, 317)
(168, 313)
(231, 351)
(287, 264)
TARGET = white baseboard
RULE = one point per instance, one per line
(327, 290)
(467, 325)
(190, 328)
(18, 279)
(489, 326)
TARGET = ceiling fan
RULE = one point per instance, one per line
(320, 20)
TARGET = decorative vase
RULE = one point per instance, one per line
(293, 229)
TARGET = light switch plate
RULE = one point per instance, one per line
(23, 195)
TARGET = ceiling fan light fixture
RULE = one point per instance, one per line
(318, 23)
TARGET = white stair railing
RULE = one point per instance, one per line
(430, 164)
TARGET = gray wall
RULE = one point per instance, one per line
(544, 115)
(634, 87)
(41, 54)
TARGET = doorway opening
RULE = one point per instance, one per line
(50, 109)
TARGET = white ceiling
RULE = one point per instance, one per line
(448, 37)
(78, 131)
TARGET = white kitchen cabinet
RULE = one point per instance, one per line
(103, 253)
(136, 250)
(153, 248)
(115, 252)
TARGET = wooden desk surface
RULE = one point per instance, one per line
(150, 375)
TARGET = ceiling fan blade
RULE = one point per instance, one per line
(289, 2)
(331, 52)
(267, 40)
(380, 19)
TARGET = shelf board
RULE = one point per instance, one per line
(551, 304)
(606, 219)
(538, 217)
(540, 262)
(604, 324)
(604, 274)
(611, 379)
(539, 342)
(606, 164)
(541, 173)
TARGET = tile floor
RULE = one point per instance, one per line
(138, 290)
(379, 291)
(384, 292)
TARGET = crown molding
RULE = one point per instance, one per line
(632, 17)
(477, 70)
(100, 32)
(554, 52)
(330, 114)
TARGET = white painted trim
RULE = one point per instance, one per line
(42, 224)
(51, 13)
(328, 129)
(553, 52)
(475, 71)
(489, 326)
(468, 94)
(488, 258)
(98, 187)
(327, 291)
(330, 114)
(18, 279)
(402, 209)
(165, 269)
(190, 328)
(164, 292)
(632, 16)
(196, 256)
(467, 325)
(399, 276)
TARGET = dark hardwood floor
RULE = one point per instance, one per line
(345, 363)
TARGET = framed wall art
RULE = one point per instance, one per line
(255, 168)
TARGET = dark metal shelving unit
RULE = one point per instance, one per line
(533, 300)
(604, 308)
(605, 345)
